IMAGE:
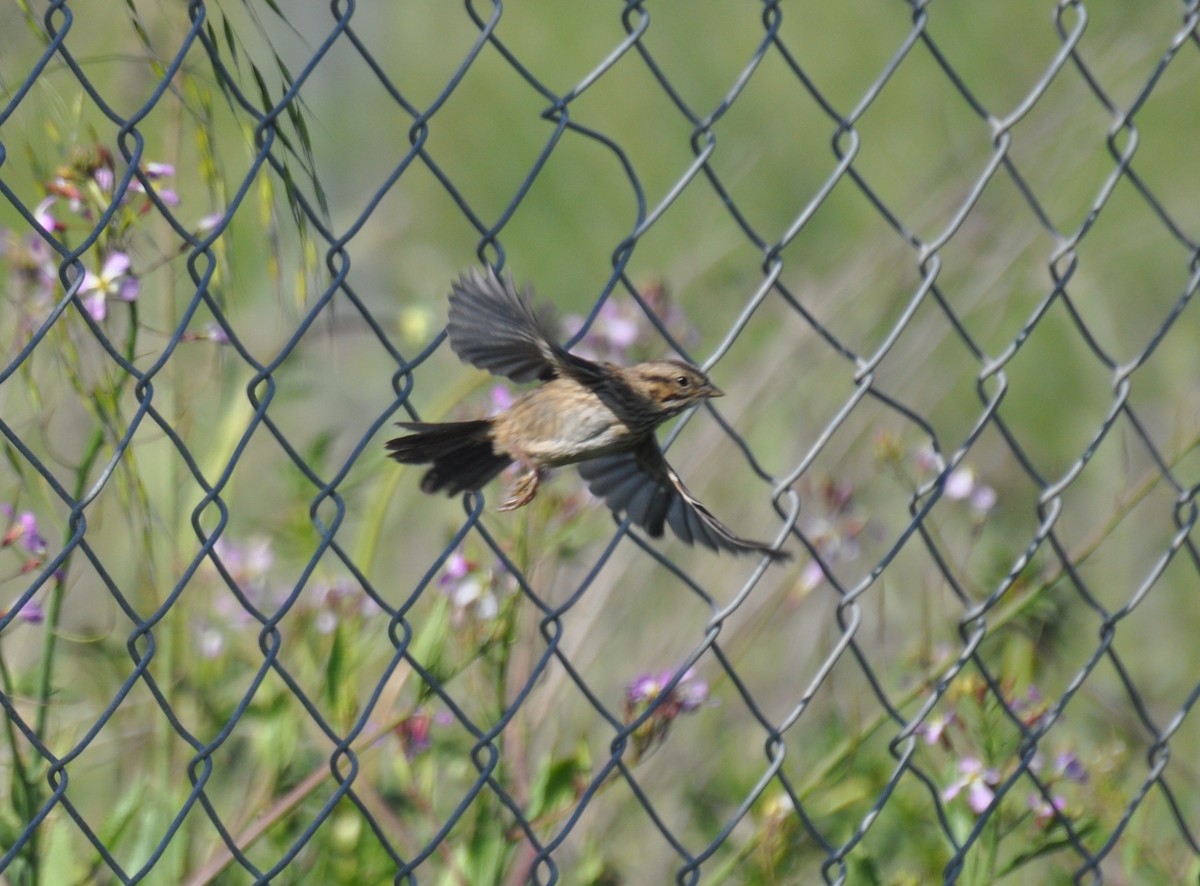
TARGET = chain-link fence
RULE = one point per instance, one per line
(941, 259)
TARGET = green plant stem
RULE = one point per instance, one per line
(22, 778)
(45, 675)
(54, 609)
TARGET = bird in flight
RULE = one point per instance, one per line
(598, 416)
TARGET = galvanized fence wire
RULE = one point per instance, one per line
(273, 156)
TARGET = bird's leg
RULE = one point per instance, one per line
(523, 490)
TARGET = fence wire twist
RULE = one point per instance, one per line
(779, 754)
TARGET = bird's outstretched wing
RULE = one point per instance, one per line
(494, 327)
(641, 484)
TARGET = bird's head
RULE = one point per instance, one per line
(671, 385)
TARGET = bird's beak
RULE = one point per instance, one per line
(714, 391)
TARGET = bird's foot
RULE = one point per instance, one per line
(523, 490)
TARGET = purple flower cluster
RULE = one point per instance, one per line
(975, 779)
(415, 731)
(337, 601)
(23, 531)
(249, 564)
(23, 536)
(688, 694)
(76, 195)
(961, 484)
(115, 280)
(474, 589)
(84, 189)
(650, 692)
(834, 532)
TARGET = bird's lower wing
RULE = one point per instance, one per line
(494, 327)
(642, 485)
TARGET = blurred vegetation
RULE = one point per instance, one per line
(287, 650)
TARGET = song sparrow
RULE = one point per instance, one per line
(596, 415)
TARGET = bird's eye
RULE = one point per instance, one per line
(683, 381)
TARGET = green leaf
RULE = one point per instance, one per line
(335, 670)
(34, 22)
(264, 91)
(10, 828)
(429, 639)
(488, 846)
(60, 860)
(124, 813)
(318, 451)
(230, 41)
(846, 793)
(277, 727)
(555, 786)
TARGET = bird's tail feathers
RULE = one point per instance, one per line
(459, 453)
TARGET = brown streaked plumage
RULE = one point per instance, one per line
(598, 416)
